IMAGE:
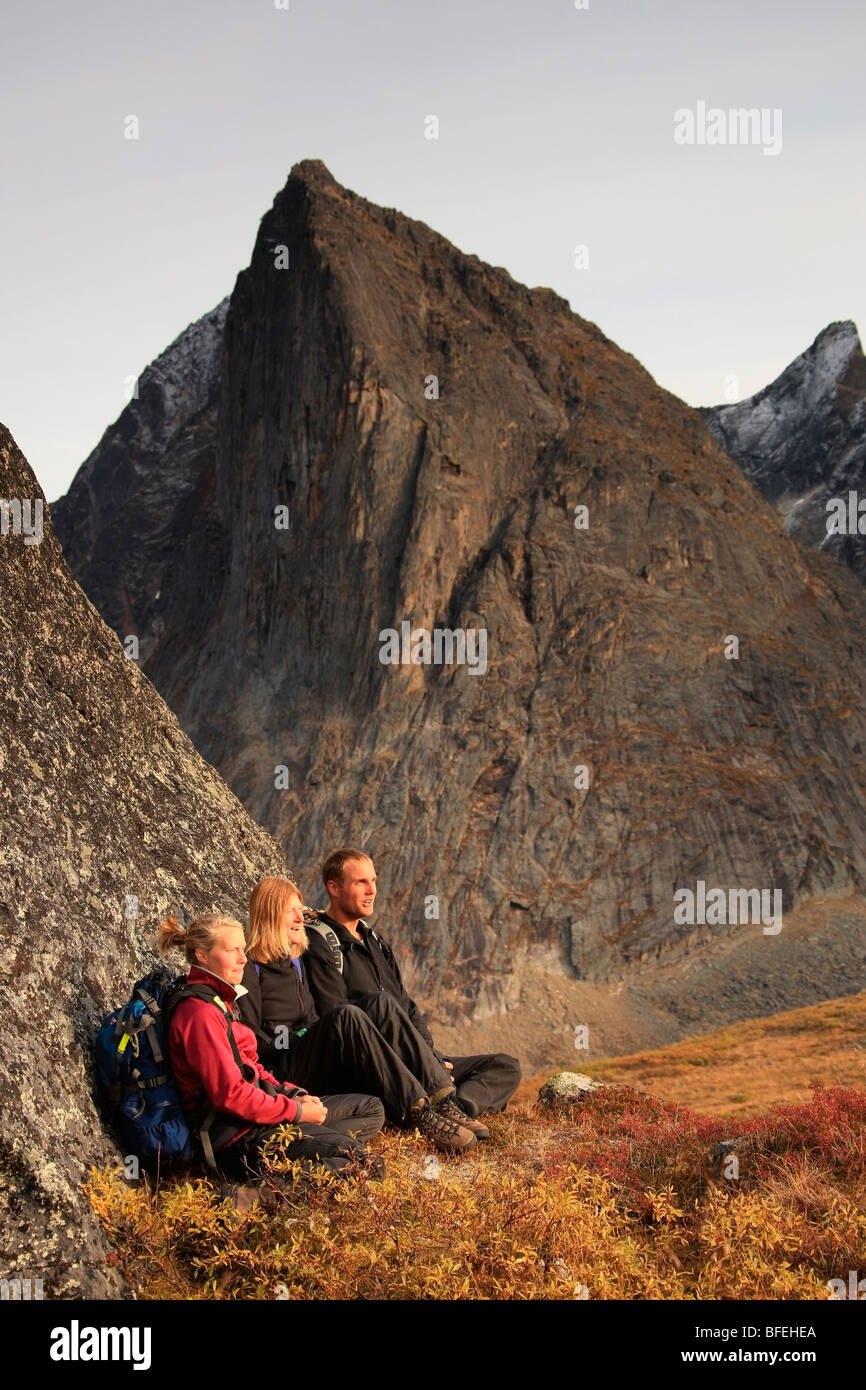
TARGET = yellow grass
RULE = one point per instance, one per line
(631, 1194)
(747, 1067)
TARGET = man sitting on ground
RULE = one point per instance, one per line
(349, 962)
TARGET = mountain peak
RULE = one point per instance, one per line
(431, 431)
(802, 439)
(840, 336)
(808, 378)
(313, 171)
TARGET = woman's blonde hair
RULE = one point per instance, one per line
(265, 938)
(200, 935)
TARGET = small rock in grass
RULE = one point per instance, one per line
(567, 1087)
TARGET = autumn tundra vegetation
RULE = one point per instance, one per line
(622, 1195)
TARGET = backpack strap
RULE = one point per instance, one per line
(210, 1113)
(126, 1032)
(330, 938)
(205, 1139)
(153, 1012)
(210, 996)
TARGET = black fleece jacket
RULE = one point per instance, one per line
(277, 996)
(369, 967)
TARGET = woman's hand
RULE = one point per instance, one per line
(313, 1112)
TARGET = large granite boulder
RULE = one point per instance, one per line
(109, 818)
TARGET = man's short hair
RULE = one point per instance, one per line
(333, 865)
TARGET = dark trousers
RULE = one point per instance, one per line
(349, 1113)
(485, 1083)
(351, 1119)
(372, 1045)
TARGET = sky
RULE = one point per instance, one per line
(712, 262)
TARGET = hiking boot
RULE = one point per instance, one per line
(452, 1111)
(442, 1132)
(244, 1197)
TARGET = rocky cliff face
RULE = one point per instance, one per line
(109, 818)
(802, 442)
(147, 478)
(404, 435)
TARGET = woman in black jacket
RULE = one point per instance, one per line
(343, 1047)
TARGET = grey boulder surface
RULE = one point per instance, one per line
(567, 1087)
(110, 819)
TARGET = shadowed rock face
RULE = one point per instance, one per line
(147, 478)
(605, 645)
(103, 801)
(802, 441)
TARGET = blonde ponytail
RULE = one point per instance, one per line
(171, 936)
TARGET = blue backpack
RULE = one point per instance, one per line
(134, 1074)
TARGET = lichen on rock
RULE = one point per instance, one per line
(109, 819)
(567, 1087)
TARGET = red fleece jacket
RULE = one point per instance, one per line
(202, 1059)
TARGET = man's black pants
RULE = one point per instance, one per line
(377, 1051)
(485, 1083)
(374, 1045)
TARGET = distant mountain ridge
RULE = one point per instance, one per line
(802, 440)
(123, 491)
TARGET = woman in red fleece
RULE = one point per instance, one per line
(249, 1103)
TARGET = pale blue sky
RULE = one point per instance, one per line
(556, 129)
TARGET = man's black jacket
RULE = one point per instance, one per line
(369, 967)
